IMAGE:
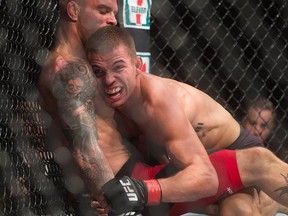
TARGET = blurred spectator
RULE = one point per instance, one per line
(260, 118)
(260, 121)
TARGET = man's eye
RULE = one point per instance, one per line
(119, 67)
(104, 10)
(251, 122)
(98, 72)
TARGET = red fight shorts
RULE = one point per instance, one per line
(143, 171)
(224, 161)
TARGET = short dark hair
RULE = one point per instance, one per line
(109, 37)
(263, 104)
(62, 5)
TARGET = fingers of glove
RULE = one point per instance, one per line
(102, 214)
(101, 211)
(101, 208)
(95, 204)
(101, 199)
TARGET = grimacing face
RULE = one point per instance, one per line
(259, 123)
(116, 73)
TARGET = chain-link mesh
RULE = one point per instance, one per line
(235, 51)
(31, 180)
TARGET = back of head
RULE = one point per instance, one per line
(62, 4)
(108, 38)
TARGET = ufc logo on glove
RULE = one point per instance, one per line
(132, 196)
(128, 195)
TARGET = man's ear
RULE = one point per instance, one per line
(73, 10)
(139, 63)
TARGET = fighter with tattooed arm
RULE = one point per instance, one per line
(68, 89)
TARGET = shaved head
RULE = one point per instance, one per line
(63, 6)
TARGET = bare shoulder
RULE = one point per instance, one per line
(59, 69)
(162, 95)
(73, 79)
(173, 89)
(64, 79)
(175, 96)
(153, 87)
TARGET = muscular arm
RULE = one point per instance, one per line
(197, 179)
(74, 88)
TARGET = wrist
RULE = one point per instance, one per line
(154, 192)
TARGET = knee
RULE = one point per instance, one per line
(239, 209)
(239, 206)
(243, 203)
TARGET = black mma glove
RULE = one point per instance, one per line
(127, 194)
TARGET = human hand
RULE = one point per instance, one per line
(101, 206)
(130, 195)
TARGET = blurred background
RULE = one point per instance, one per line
(235, 51)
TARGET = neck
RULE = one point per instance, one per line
(68, 42)
(135, 103)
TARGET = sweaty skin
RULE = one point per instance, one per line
(179, 117)
(150, 113)
(214, 125)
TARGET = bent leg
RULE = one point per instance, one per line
(243, 203)
(248, 202)
(282, 209)
(261, 168)
(269, 206)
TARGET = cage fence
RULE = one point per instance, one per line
(236, 51)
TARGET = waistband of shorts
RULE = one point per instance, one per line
(127, 168)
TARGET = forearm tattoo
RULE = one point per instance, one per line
(88, 163)
(75, 87)
(284, 189)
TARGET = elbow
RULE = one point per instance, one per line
(211, 182)
(205, 183)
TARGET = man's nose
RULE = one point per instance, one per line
(112, 19)
(257, 130)
(109, 78)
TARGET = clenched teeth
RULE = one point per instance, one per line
(113, 90)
